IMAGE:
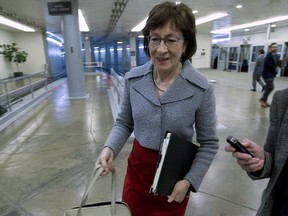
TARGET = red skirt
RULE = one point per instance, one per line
(138, 180)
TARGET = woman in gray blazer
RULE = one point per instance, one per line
(165, 94)
(271, 161)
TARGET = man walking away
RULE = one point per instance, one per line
(257, 73)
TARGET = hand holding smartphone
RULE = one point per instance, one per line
(238, 146)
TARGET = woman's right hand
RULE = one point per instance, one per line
(106, 158)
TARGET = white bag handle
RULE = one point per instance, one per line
(98, 169)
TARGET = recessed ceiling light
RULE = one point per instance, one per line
(273, 25)
(246, 29)
(195, 11)
(239, 6)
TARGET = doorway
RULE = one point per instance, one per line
(214, 57)
(244, 58)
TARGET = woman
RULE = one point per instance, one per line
(165, 94)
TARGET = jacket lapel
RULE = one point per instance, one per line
(146, 88)
(181, 89)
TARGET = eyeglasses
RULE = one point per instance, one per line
(169, 41)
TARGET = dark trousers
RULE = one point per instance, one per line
(268, 88)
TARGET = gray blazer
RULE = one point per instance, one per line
(188, 104)
(259, 65)
(275, 149)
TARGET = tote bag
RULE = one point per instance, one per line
(112, 208)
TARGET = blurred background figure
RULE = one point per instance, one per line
(269, 73)
(257, 73)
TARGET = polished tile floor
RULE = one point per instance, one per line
(47, 156)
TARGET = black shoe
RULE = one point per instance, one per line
(252, 89)
(263, 88)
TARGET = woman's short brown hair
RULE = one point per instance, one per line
(180, 17)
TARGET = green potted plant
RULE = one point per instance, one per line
(13, 54)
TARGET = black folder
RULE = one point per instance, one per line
(175, 159)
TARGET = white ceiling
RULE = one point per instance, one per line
(98, 13)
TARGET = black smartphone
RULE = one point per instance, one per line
(238, 146)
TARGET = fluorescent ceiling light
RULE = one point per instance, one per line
(220, 40)
(55, 36)
(54, 41)
(210, 18)
(5, 21)
(82, 23)
(247, 25)
(140, 26)
(200, 21)
(15, 25)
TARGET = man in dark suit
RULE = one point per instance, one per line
(269, 73)
(270, 161)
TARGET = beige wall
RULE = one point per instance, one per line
(203, 42)
(5, 67)
(32, 43)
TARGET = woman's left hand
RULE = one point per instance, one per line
(179, 192)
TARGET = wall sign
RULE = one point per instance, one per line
(133, 53)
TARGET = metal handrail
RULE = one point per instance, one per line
(14, 90)
(117, 81)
